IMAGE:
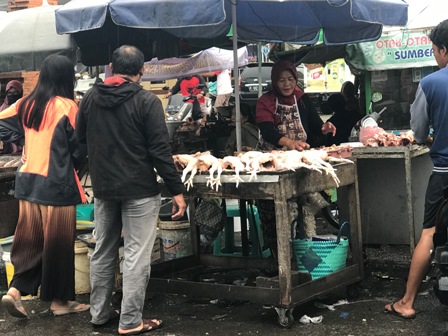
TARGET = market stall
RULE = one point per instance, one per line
(289, 288)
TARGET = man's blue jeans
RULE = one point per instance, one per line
(137, 220)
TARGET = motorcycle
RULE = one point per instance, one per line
(184, 109)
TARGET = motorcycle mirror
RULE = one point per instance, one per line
(376, 97)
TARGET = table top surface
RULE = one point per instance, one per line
(393, 151)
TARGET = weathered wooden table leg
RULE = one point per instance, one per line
(283, 245)
(409, 200)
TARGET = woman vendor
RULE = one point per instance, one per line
(286, 118)
(286, 115)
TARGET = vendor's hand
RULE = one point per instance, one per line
(328, 127)
(199, 96)
(169, 94)
(297, 145)
(179, 207)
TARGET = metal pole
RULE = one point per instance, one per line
(236, 77)
(259, 58)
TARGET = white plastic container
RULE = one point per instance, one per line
(82, 268)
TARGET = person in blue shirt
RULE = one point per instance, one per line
(429, 108)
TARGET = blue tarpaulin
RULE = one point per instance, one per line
(192, 25)
(170, 28)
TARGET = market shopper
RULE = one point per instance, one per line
(287, 118)
(430, 107)
(192, 85)
(13, 92)
(348, 91)
(343, 119)
(48, 190)
(124, 128)
(224, 89)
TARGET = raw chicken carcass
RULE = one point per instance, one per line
(234, 163)
(192, 167)
(263, 162)
(181, 161)
(318, 157)
(247, 158)
(268, 162)
(292, 160)
(207, 162)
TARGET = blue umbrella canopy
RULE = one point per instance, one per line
(171, 28)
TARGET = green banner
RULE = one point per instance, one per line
(398, 50)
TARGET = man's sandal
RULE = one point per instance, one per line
(148, 325)
(393, 311)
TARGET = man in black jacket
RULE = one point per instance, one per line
(127, 140)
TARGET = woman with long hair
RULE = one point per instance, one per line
(48, 190)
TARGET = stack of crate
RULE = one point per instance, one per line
(14, 5)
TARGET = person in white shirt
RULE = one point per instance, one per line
(224, 88)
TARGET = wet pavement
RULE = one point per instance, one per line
(385, 273)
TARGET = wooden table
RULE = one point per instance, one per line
(286, 293)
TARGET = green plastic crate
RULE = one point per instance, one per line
(84, 212)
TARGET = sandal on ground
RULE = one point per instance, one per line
(74, 307)
(14, 307)
(148, 325)
(393, 311)
(114, 315)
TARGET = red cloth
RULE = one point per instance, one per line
(191, 83)
(115, 81)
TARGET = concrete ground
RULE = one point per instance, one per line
(385, 274)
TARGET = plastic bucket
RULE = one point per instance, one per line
(166, 211)
(176, 239)
(82, 269)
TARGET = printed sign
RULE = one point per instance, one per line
(398, 50)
